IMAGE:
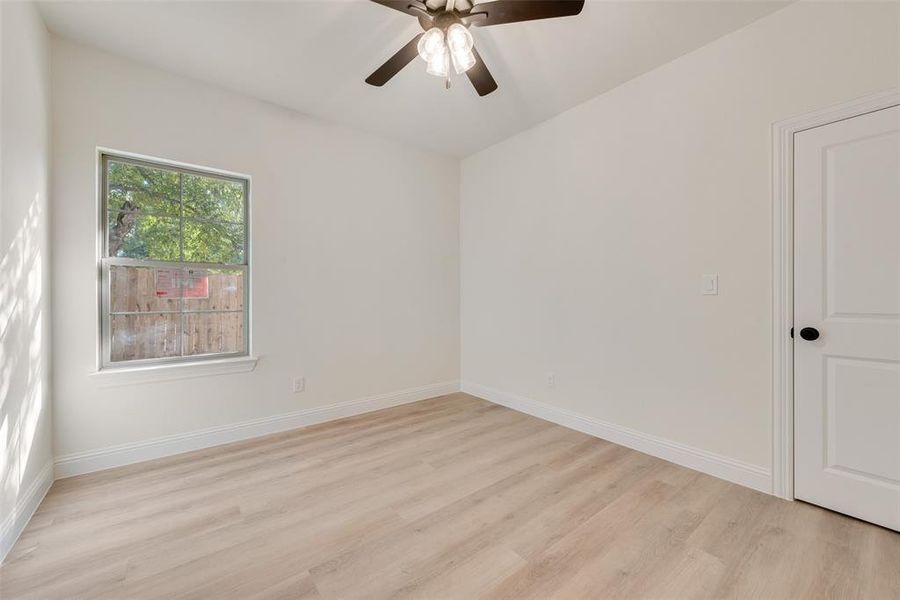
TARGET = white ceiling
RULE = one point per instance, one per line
(313, 55)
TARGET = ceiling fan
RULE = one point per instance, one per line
(446, 40)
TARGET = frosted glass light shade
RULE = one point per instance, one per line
(439, 64)
(463, 60)
(458, 38)
(431, 44)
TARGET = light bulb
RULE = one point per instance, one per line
(463, 60)
(431, 43)
(459, 38)
(439, 64)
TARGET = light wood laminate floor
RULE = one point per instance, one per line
(452, 497)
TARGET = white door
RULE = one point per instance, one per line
(847, 286)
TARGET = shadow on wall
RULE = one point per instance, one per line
(21, 350)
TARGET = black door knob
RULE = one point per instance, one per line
(809, 333)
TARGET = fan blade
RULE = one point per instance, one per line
(410, 7)
(394, 64)
(480, 77)
(513, 11)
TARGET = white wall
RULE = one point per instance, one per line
(355, 253)
(25, 436)
(584, 238)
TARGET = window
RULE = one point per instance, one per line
(174, 268)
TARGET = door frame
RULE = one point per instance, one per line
(783, 273)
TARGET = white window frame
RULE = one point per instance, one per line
(177, 366)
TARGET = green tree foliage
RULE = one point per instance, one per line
(159, 214)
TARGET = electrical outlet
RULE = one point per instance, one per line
(551, 380)
(299, 384)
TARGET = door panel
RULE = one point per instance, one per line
(847, 285)
(861, 410)
(862, 194)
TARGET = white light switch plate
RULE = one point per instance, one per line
(710, 284)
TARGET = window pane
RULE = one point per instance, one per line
(213, 242)
(136, 337)
(137, 189)
(213, 332)
(151, 237)
(144, 289)
(214, 289)
(213, 199)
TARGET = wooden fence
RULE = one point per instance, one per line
(158, 313)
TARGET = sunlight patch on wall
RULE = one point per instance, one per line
(22, 351)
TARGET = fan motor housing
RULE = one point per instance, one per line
(442, 20)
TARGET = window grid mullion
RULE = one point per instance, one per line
(181, 219)
(120, 313)
(149, 263)
(181, 316)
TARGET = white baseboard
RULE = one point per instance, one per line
(126, 454)
(14, 523)
(729, 469)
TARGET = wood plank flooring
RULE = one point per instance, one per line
(452, 497)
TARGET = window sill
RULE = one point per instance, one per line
(167, 372)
